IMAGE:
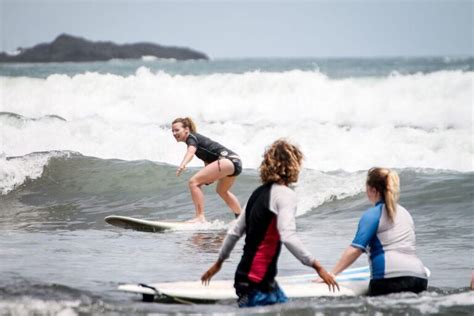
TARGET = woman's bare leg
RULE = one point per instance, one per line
(198, 199)
(210, 173)
(223, 187)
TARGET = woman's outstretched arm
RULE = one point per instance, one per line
(187, 158)
(348, 257)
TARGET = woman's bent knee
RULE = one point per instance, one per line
(193, 183)
(222, 193)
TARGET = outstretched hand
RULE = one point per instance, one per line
(207, 276)
(179, 171)
(329, 279)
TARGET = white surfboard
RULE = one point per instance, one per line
(352, 282)
(160, 226)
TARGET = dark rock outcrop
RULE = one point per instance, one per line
(70, 48)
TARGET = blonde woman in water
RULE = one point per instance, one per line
(220, 164)
(387, 233)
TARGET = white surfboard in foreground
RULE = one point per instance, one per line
(352, 282)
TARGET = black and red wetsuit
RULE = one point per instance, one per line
(258, 266)
(268, 220)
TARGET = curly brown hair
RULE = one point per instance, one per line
(281, 163)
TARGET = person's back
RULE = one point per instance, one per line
(387, 233)
(268, 220)
(392, 250)
(262, 242)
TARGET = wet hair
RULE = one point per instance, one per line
(187, 122)
(387, 183)
(281, 163)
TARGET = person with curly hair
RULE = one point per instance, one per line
(268, 220)
(220, 164)
(387, 233)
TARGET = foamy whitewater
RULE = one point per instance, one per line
(80, 141)
(419, 120)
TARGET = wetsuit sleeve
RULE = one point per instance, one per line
(367, 229)
(192, 141)
(284, 203)
(233, 235)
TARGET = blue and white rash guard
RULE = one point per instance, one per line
(389, 245)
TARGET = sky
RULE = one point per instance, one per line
(238, 29)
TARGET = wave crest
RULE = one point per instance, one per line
(419, 120)
(14, 171)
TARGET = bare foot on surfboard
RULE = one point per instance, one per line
(197, 220)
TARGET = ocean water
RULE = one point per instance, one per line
(81, 141)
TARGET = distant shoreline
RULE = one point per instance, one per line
(68, 48)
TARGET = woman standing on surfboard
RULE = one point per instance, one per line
(268, 220)
(387, 232)
(221, 164)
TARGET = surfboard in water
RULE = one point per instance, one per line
(160, 226)
(352, 282)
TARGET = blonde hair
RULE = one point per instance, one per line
(387, 183)
(187, 122)
(281, 163)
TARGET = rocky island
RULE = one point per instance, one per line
(68, 48)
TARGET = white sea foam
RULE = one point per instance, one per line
(15, 171)
(33, 306)
(315, 188)
(427, 303)
(421, 120)
(206, 226)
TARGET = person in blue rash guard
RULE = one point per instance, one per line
(220, 164)
(268, 221)
(387, 233)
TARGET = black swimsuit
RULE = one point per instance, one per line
(209, 151)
